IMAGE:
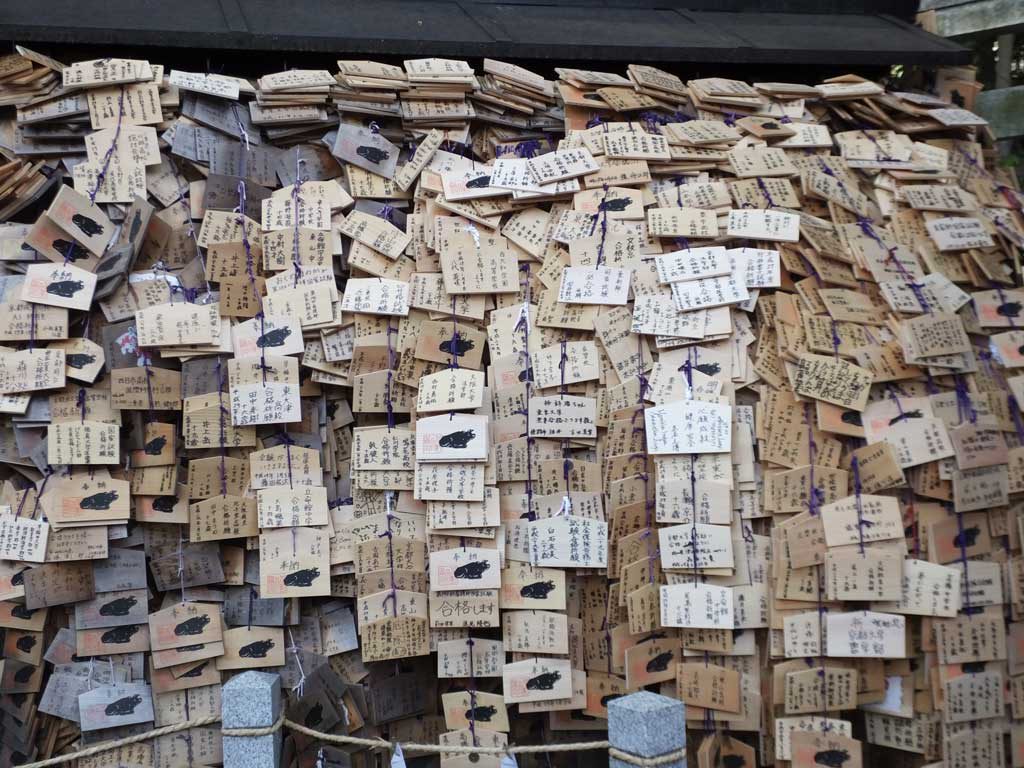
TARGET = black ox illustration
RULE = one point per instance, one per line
(119, 607)
(274, 338)
(458, 439)
(119, 635)
(660, 662)
(852, 418)
(457, 347)
(70, 251)
(164, 503)
(303, 578)
(543, 682)
(123, 706)
(20, 611)
(537, 591)
(914, 414)
(374, 155)
(617, 205)
(196, 672)
(99, 501)
(709, 369)
(193, 626)
(256, 650)
(481, 714)
(832, 758)
(65, 288)
(89, 226)
(135, 227)
(155, 446)
(472, 570)
(968, 538)
(79, 360)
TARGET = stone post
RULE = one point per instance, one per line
(646, 724)
(252, 700)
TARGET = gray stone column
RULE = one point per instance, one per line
(646, 724)
(252, 700)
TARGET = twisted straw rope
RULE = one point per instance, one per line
(282, 721)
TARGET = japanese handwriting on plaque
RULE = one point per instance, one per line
(594, 285)
(833, 380)
(23, 539)
(563, 416)
(689, 426)
(563, 164)
(697, 606)
(692, 264)
(764, 225)
(566, 541)
(866, 634)
(375, 296)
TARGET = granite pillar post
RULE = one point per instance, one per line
(646, 724)
(252, 700)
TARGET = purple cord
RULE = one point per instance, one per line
(963, 558)
(388, 404)
(964, 406)
(693, 502)
(884, 157)
(602, 215)
(764, 191)
(101, 176)
(391, 556)
(32, 330)
(250, 272)
(812, 450)
(861, 522)
(895, 399)
(608, 640)
(1002, 300)
(566, 463)
(472, 694)
(39, 495)
(288, 443)
(188, 221)
(296, 205)
(918, 290)
(1014, 407)
(223, 432)
(455, 338)
(644, 386)
(524, 323)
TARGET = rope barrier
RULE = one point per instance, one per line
(334, 738)
(99, 749)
